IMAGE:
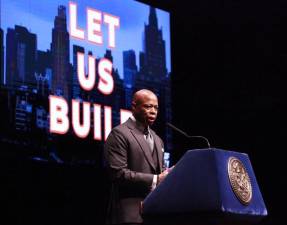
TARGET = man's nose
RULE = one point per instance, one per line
(153, 110)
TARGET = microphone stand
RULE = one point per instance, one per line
(188, 136)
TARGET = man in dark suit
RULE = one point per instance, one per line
(134, 156)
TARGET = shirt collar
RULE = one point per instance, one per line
(139, 125)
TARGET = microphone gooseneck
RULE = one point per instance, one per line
(186, 135)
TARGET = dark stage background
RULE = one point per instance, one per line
(229, 67)
(229, 64)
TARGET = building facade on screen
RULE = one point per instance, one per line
(40, 62)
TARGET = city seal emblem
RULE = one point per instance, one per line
(239, 180)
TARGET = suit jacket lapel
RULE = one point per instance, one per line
(142, 142)
(158, 149)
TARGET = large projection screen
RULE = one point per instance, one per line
(69, 69)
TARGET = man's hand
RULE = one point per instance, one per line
(162, 176)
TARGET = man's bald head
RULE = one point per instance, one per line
(145, 106)
(142, 94)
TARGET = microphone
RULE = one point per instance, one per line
(186, 135)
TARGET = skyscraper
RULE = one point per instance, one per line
(76, 90)
(153, 62)
(153, 74)
(130, 72)
(21, 57)
(1, 58)
(60, 55)
(43, 71)
(130, 67)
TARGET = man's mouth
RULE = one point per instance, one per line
(151, 119)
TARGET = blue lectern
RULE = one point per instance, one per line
(208, 186)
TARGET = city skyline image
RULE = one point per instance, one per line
(44, 63)
(131, 25)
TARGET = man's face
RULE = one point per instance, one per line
(146, 108)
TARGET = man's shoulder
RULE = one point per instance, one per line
(122, 127)
(119, 132)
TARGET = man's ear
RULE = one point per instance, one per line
(133, 106)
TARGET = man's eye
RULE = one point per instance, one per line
(151, 106)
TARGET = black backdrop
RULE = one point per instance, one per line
(229, 63)
(229, 83)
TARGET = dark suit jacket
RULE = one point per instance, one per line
(131, 169)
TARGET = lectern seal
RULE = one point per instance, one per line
(239, 180)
